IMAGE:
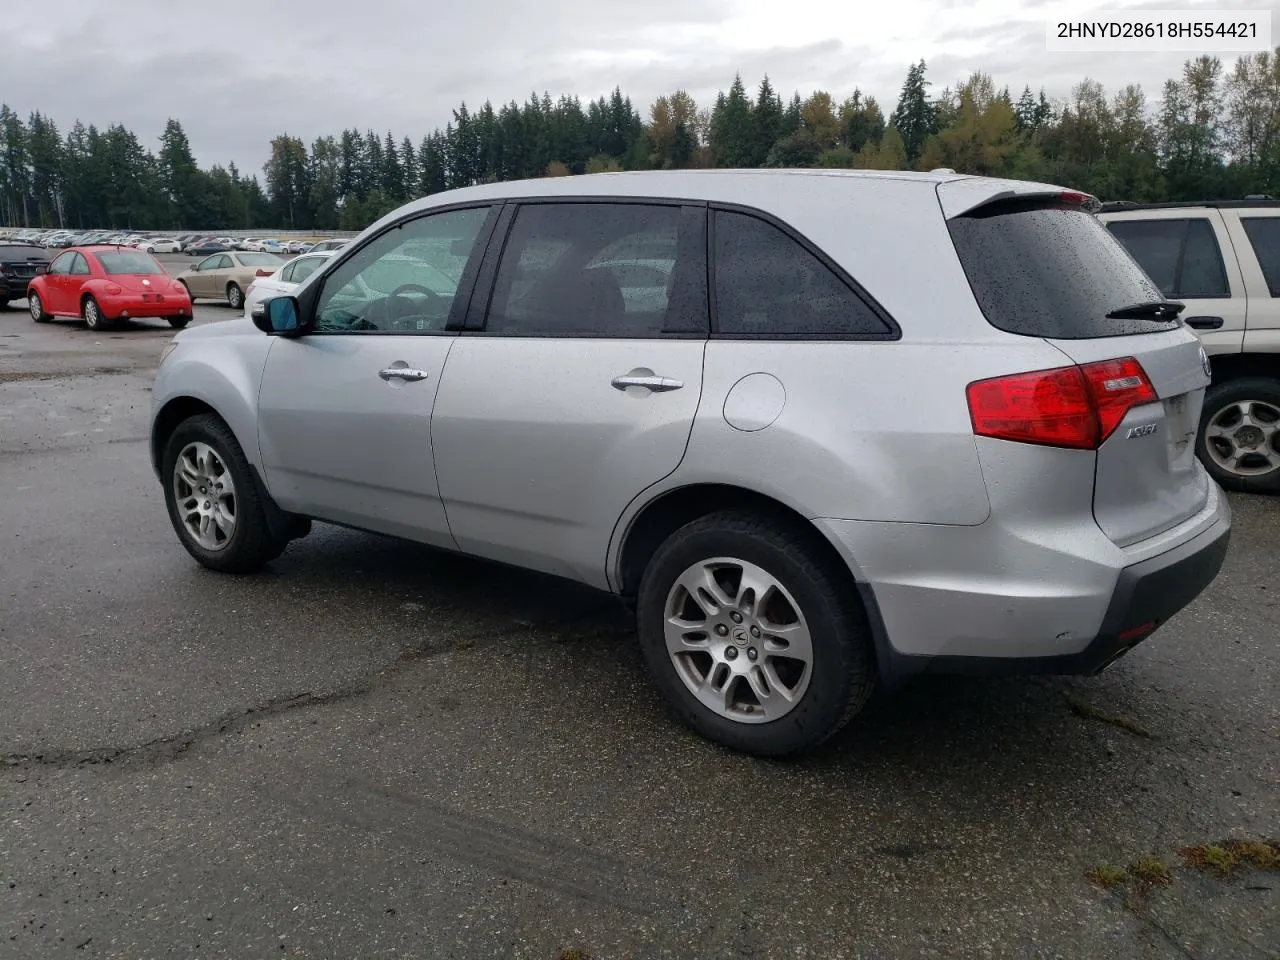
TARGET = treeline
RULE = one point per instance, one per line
(1213, 132)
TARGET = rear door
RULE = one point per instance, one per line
(1191, 258)
(1256, 234)
(1072, 279)
(577, 388)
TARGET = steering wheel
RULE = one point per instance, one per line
(413, 288)
(397, 301)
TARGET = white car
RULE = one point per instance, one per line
(250, 245)
(284, 280)
(160, 245)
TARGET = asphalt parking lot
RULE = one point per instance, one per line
(376, 750)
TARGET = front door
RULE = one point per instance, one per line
(198, 281)
(344, 413)
(57, 282)
(580, 390)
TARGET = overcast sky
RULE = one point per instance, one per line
(237, 72)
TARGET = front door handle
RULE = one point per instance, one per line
(403, 373)
(650, 381)
(1204, 323)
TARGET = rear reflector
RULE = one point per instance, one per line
(1138, 632)
(1076, 407)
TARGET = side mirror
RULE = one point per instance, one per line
(277, 316)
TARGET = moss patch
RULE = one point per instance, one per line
(1151, 870)
(1107, 876)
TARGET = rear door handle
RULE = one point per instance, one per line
(403, 373)
(655, 383)
(1204, 323)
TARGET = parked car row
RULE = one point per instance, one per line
(190, 243)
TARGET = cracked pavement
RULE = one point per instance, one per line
(377, 750)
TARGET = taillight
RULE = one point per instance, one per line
(1076, 407)
(262, 273)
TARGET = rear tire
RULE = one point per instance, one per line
(814, 680)
(179, 322)
(1239, 437)
(209, 450)
(91, 313)
(36, 306)
(235, 296)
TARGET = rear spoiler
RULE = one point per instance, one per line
(961, 197)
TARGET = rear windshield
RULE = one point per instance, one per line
(259, 259)
(1051, 271)
(16, 251)
(129, 261)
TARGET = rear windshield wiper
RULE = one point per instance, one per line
(1154, 310)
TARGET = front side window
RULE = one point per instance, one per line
(768, 284)
(405, 280)
(1182, 256)
(62, 265)
(597, 270)
(79, 266)
(208, 263)
(1264, 237)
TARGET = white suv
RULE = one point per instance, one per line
(1222, 260)
(823, 429)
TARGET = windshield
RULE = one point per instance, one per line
(260, 260)
(129, 261)
(1051, 271)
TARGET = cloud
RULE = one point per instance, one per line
(238, 72)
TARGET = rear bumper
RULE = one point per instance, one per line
(118, 308)
(14, 288)
(1053, 605)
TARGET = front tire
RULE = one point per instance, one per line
(213, 500)
(91, 313)
(753, 634)
(235, 296)
(1239, 437)
(36, 306)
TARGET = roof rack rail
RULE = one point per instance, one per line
(1252, 200)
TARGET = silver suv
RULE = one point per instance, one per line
(825, 430)
(1222, 259)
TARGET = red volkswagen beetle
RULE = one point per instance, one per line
(104, 284)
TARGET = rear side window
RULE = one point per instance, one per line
(1051, 271)
(1181, 256)
(599, 270)
(129, 261)
(1264, 237)
(768, 285)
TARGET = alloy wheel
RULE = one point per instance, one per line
(205, 495)
(1243, 438)
(738, 640)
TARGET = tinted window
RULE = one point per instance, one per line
(768, 284)
(599, 270)
(1202, 274)
(1050, 271)
(405, 280)
(1264, 237)
(128, 261)
(1181, 256)
(13, 251)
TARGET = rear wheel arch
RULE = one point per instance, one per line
(670, 511)
(1233, 366)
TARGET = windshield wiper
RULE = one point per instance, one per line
(1154, 310)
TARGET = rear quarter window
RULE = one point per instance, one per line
(1051, 271)
(1264, 237)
